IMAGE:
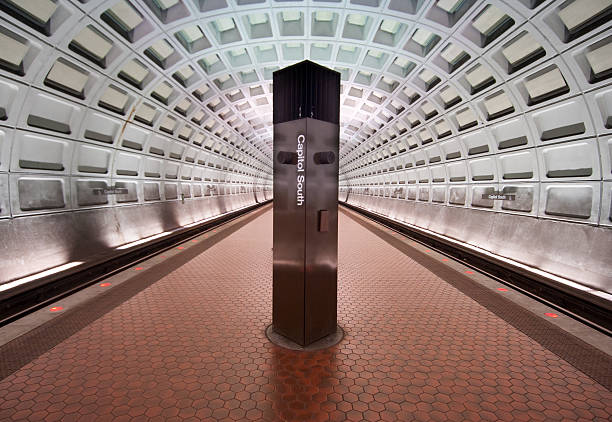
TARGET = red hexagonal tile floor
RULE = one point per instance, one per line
(191, 347)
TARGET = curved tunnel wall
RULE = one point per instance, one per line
(100, 147)
(528, 114)
(168, 105)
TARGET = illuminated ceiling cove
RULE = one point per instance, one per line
(414, 72)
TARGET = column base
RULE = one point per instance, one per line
(324, 343)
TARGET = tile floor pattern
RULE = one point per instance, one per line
(191, 347)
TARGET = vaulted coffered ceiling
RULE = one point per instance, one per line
(414, 72)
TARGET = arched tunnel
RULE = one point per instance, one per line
(479, 131)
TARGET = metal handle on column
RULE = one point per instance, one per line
(323, 221)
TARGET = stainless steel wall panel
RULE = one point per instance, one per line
(39, 193)
(510, 235)
(578, 252)
(525, 200)
(477, 226)
(152, 191)
(383, 205)
(438, 194)
(170, 190)
(570, 201)
(395, 206)
(132, 193)
(550, 252)
(88, 192)
(479, 196)
(197, 190)
(47, 240)
(452, 222)
(421, 219)
(435, 215)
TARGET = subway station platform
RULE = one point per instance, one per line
(181, 337)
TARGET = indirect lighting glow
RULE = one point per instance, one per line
(551, 315)
(37, 276)
(56, 309)
(105, 284)
(195, 223)
(502, 289)
(141, 241)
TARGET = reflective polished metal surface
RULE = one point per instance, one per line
(306, 203)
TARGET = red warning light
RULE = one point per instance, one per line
(181, 247)
(551, 315)
(445, 259)
(105, 284)
(194, 240)
(427, 250)
(56, 309)
(469, 272)
(502, 289)
(139, 268)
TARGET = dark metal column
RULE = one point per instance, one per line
(306, 147)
